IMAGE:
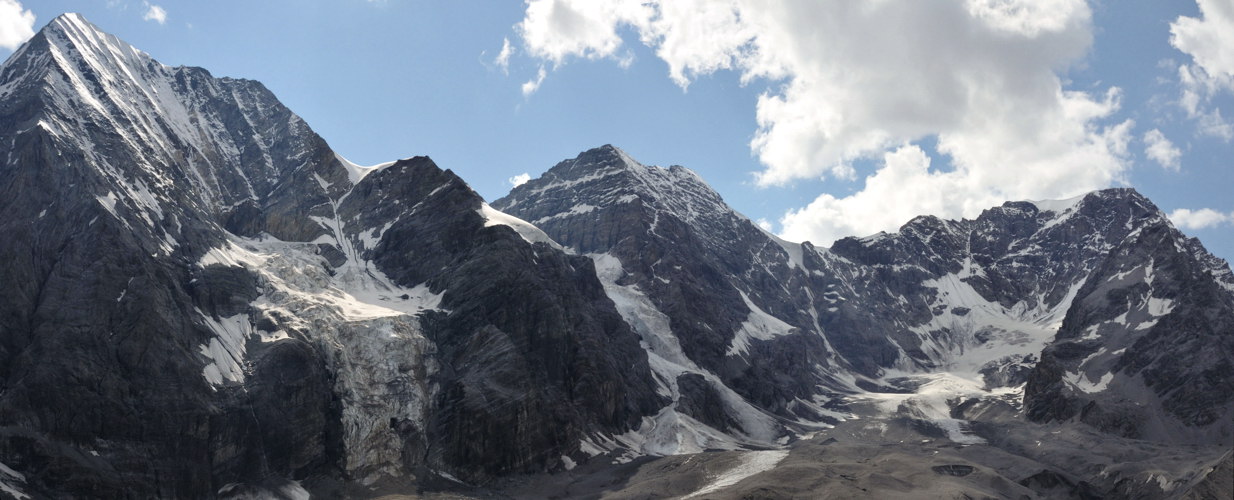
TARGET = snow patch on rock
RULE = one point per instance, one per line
(357, 172)
(530, 233)
(226, 349)
(1082, 382)
(758, 325)
(670, 432)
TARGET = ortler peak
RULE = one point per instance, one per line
(203, 300)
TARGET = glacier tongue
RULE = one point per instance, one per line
(751, 463)
(367, 325)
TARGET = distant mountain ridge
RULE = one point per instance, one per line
(204, 300)
(790, 326)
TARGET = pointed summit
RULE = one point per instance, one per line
(606, 159)
(606, 155)
(74, 45)
(81, 73)
(73, 33)
(74, 24)
(114, 111)
(607, 176)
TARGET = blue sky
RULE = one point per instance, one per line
(820, 118)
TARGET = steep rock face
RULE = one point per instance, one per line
(224, 302)
(703, 286)
(102, 314)
(168, 140)
(532, 354)
(1146, 349)
(965, 286)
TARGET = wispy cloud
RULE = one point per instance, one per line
(503, 58)
(16, 24)
(532, 85)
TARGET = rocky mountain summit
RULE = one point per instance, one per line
(204, 300)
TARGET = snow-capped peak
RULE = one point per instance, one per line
(76, 46)
(73, 45)
(92, 90)
(608, 176)
(72, 28)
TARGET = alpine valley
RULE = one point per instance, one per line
(202, 300)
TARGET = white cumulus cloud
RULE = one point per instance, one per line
(155, 13)
(559, 29)
(1209, 40)
(1200, 219)
(1161, 150)
(850, 81)
(519, 179)
(16, 24)
(902, 188)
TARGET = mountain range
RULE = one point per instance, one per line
(204, 300)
